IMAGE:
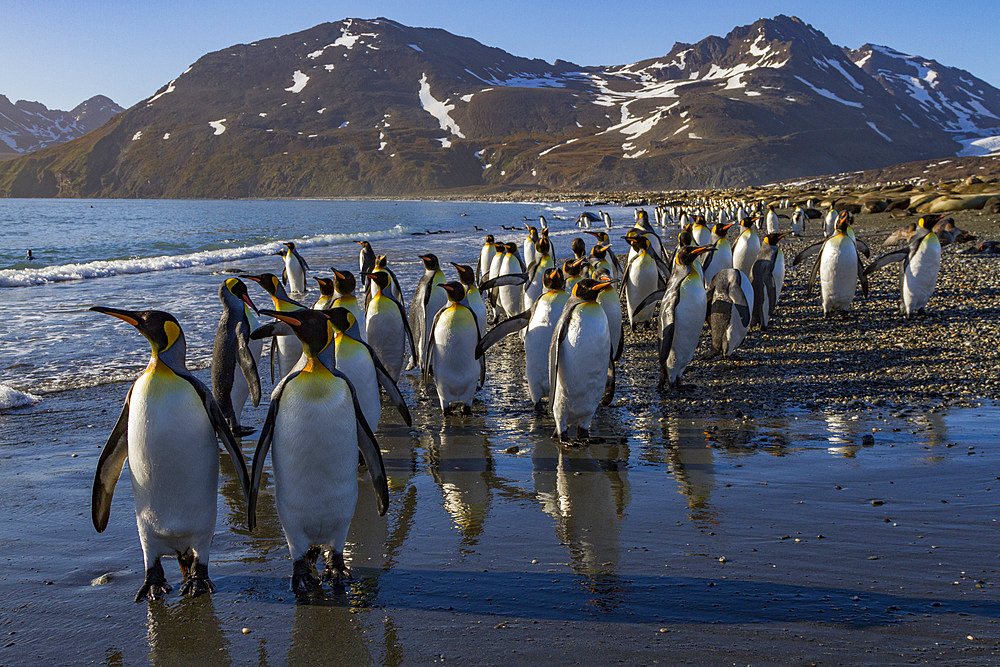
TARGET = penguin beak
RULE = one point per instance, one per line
(369, 275)
(340, 276)
(725, 228)
(702, 249)
(130, 316)
(359, 242)
(245, 298)
(284, 317)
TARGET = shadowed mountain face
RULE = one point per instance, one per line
(28, 126)
(361, 107)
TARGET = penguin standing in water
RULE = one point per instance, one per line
(451, 351)
(327, 294)
(316, 427)
(233, 348)
(366, 261)
(730, 303)
(579, 360)
(345, 283)
(486, 256)
(427, 300)
(747, 246)
(294, 274)
(167, 430)
(285, 350)
(606, 217)
(838, 268)
(387, 327)
(921, 263)
(767, 277)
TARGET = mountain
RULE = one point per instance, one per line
(27, 126)
(373, 107)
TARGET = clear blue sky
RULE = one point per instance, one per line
(60, 52)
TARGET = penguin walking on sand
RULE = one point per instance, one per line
(730, 303)
(921, 264)
(387, 327)
(451, 352)
(366, 262)
(579, 360)
(167, 429)
(294, 273)
(838, 268)
(233, 348)
(767, 277)
(606, 217)
(747, 246)
(316, 427)
(285, 350)
(538, 324)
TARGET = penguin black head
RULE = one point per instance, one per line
(747, 223)
(465, 273)
(342, 318)
(573, 268)
(637, 241)
(160, 328)
(589, 289)
(927, 221)
(270, 283)
(455, 290)
(600, 250)
(543, 246)
(326, 286)
(545, 232)
(380, 278)
(641, 217)
(687, 254)
(238, 289)
(553, 279)
(344, 281)
(511, 248)
(685, 237)
(364, 244)
(289, 245)
(313, 327)
(381, 261)
(772, 239)
(721, 230)
(532, 233)
(578, 247)
(431, 262)
(843, 222)
(600, 236)
(489, 240)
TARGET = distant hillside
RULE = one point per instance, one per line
(373, 107)
(28, 126)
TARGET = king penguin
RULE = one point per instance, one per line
(529, 245)
(486, 255)
(167, 429)
(285, 350)
(921, 263)
(233, 348)
(366, 262)
(473, 299)
(767, 277)
(387, 327)
(722, 258)
(451, 351)
(838, 269)
(641, 277)
(747, 246)
(327, 294)
(294, 273)
(316, 427)
(345, 283)
(427, 300)
(730, 303)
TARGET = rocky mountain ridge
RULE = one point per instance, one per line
(28, 126)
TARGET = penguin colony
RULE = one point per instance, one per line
(329, 363)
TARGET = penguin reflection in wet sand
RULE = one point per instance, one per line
(233, 348)
(294, 275)
(580, 356)
(451, 351)
(316, 427)
(167, 430)
(921, 263)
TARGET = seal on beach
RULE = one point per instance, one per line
(921, 263)
(167, 429)
(233, 348)
(294, 273)
(451, 351)
(316, 427)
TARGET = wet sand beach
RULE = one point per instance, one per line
(829, 497)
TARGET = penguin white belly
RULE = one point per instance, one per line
(314, 452)
(838, 274)
(689, 316)
(745, 251)
(354, 361)
(289, 349)
(773, 227)
(456, 371)
(537, 339)
(798, 224)
(475, 303)
(642, 280)
(510, 295)
(779, 275)
(386, 335)
(920, 275)
(528, 252)
(534, 290)
(612, 306)
(486, 256)
(174, 466)
(702, 235)
(296, 275)
(582, 368)
(722, 258)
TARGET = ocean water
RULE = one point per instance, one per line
(173, 255)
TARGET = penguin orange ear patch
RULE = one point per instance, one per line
(172, 331)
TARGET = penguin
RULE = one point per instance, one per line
(509, 295)
(606, 217)
(533, 285)
(611, 303)
(427, 300)
(767, 277)
(167, 429)
(599, 262)
(641, 277)
(585, 219)
(285, 350)
(473, 299)
(233, 348)
(578, 247)
(579, 360)
(798, 221)
(830, 222)
(701, 232)
(327, 294)
(316, 427)
(604, 239)
(451, 351)
(345, 283)
(730, 303)
(366, 262)
(387, 327)
(839, 269)
(538, 322)
(574, 271)
(382, 266)
(773, 223)
(921, 263)
(529, 245)
(486, 255)
(294, 274)
(722, 258)
(747, 246)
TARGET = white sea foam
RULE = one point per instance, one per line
(104, 268)
(12, 398)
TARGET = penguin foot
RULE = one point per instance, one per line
(155, 585)
(559, 437)
(336, 571)
(583, 434)
(466, 409)
(304, 579)
(198, 582)
(243, 431)
(539, 408)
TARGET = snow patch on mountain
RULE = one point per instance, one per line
(299, 81)
(438, 108)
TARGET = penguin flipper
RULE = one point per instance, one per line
(739, 300)
(862, 246)
(628, 267)
(886, 259)
(406, 323)
(284, 276)
(247, 363)
(811, 249)
(609, 384)
(650, 299)
(508, 279)
(109, 469)
(501, 331)
(391, 388)
(370, 451)
(862, 277)
(621, 341)
(274, 356)
(614, 260)
(814, 274)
